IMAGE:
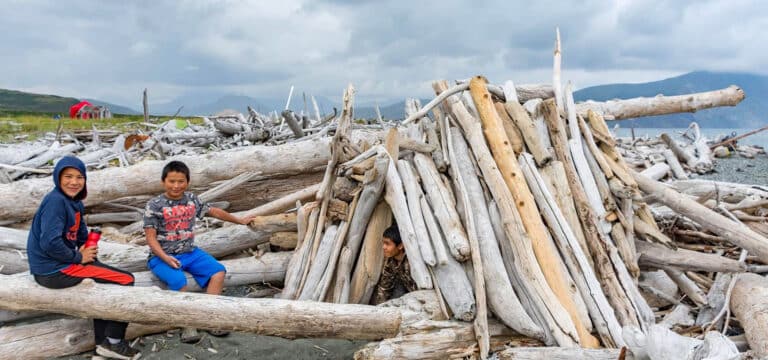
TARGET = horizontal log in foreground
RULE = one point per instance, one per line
(275, 317)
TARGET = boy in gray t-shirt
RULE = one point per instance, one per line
(169, 222)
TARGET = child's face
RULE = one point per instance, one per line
(71, 181)
(175, 184)
(390, 248)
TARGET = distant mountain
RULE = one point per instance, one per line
(750, 113)
(24, 101)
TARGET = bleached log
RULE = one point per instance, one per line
(117, 217)
(703, 153)
(13, 238)
(555, 353)
(607, 274)
(22, 197)
(686, 285)
(658, 288)
(736, 233)
(659, 256)
(57, 338)
(715, 301)
(748, 303)
(318, 264)
(588, 286)
(546, 254)
(299, 260)
(435, 234)
(674, 164)
(439, 198)
(13, 261)
(529, 133)
(341, 285)
(293, 123)
(661, 105)
(18, 153)
(682, 155)
(413, 195)
(371, 259)
(557, 183)
(725, 191)
(440, 340)
(657, 171)
(502, 298)
(261, 316)
(54, 152)
(561, 327)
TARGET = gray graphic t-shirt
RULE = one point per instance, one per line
(174, 221)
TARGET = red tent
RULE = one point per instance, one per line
(75, 108)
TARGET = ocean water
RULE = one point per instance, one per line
(760, 139)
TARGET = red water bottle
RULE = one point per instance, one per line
(93, 237)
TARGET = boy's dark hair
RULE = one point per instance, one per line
(393, 233)
(175, 166)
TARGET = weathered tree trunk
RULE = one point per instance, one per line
(660, 105)
(555, 353)
(657, 171)
(440, 340)
(545, 253)
(371, 259)
(23, 197)
(261, 316)
(674, 164)
(736, 233)
(523, 121)
(414, 194)
(501, 297)
(440, 199)
(366, 204)
(516, 240)
(658, 256)
(748, 302)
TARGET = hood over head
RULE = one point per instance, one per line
(70, 162)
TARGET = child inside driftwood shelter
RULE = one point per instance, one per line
(58, 257)
(169, 222)
(396, 276)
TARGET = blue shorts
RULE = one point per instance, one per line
(197, 263)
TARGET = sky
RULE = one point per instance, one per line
(389, 50)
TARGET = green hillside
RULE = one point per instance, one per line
(19, 101)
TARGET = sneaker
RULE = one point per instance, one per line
(120, 350)
(189, 335)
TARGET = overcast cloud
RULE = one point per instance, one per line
(111, 50)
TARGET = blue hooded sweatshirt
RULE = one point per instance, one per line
(58, 229)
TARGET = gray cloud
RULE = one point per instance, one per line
(389, 50)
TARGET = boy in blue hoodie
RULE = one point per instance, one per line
(58, 259)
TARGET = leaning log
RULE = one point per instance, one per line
(735, 233)
(546, 254)
(661, 105)
(261, 316)
(658, 256)
(748, 302)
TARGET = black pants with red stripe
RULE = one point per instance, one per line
(101, 273)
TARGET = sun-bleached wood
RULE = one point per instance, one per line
(546, 255)
(589, 288)
(555, 353)
(502, 298)
(735, 233)
(439, 197)
(414, 195)
(144, 177)
(686, 285)
(661, 105)
(749, 305)
(558, 320)
(674, 165)
(527, 127)
(371, 259)
(261, 316)
(658, 256)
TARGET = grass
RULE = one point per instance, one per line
(15, 123)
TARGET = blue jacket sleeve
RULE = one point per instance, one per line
(53, 224)
(82, 232)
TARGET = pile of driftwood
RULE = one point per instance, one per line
(527, 231)
(667, 158)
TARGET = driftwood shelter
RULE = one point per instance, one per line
(531, 231)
